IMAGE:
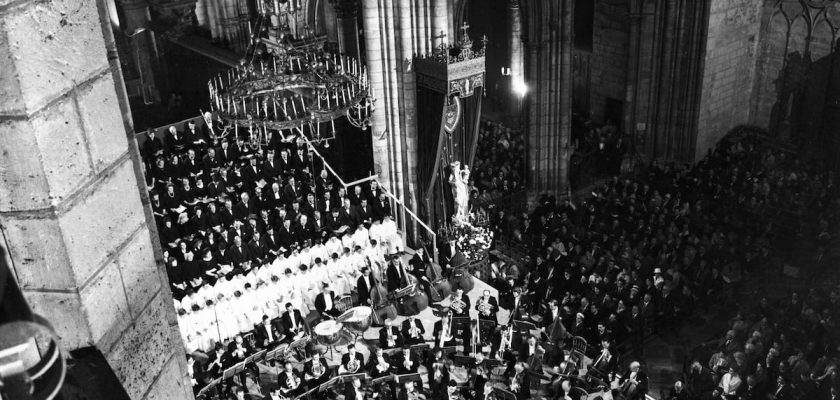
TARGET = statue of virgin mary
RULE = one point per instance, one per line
(459, 179)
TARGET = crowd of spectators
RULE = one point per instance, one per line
(779, 349)
(499, 162)
(639, 255)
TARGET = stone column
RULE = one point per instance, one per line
(440, 23)
(73, 208)
(548, 128)
(348, 27)
(516, 56)
(142, 51)
(330, 27)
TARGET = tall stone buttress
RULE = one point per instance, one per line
(548, 102)
(74, 211)
(395, 31)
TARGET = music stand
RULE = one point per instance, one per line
(212, 384)
(458, 322)
(391, 352)
(258, 356)
(272, 355)
(347, 378)
(462, 361)
(381, 379)
(328, 384)
(524, 325)
(449, 349)
(504, 394)
(415, 377)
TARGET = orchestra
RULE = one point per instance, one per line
(255, 247)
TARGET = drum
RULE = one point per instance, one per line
(343, 303)
(327, 333)
(413, 304)
(357, 320)
(461, 279)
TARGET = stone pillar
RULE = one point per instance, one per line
(548, 128)
(377, 69)
(440, 23)
(516, 59)
(73, 208)
(142, 51)
(348, 27)
(330, 27)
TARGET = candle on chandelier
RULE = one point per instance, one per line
(332, 123)
(294, 107)
(274, 106)
(318, 95)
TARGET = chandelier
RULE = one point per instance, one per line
(288, 82)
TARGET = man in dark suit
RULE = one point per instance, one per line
(381, 206)
(412, 331)
(239, 255)
(291, 192)
(325, 302)
(286, 236)
(364, 213)
(356, 195)
(464, 309)
(363, 286)
(290, 382)
(634, 383)
(407, 362)
(347, 215)
(395, 273)
(268, 333)
(251, 173)
(245, 207)
(389, 336)
(210, 162)
(353, 390)
(320, 226)
(520, 382)
(352, 361)
(293, 323)
(218, 361)
(490, 306)
(309, 206)
(152, 148)
(326, 204)
(238, 351)
(270, 168)
(316, 371)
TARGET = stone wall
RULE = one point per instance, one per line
(793, 66)
(610, 44)
(729, 69)
(73, 212)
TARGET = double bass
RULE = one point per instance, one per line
(440, 287)
(415, 301)
(382, 307)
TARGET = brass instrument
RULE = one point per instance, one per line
(317, 369)
(292, 381)
(413, 331)
(516, 382)
(505, 342)
(476, 337)
(352, 365)
(382, 365)
(484, 306)
(457, 304)
(446, 331)
(392, 339)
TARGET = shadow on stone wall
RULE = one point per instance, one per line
(807, 107)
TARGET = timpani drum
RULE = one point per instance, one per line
(327, 333)
(357, 320)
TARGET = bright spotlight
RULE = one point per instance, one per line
(520, 88)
